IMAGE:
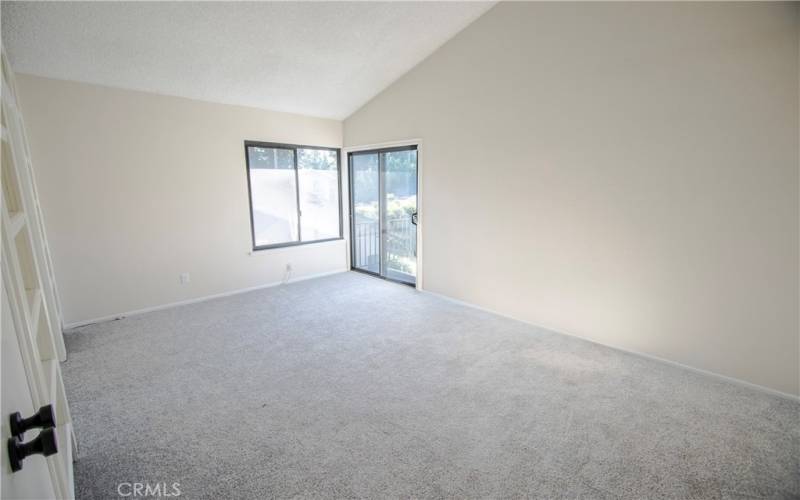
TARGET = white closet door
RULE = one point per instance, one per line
(32, 341)
(33, 481)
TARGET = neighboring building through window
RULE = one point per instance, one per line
(295, 194)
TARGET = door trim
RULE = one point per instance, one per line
(420, 197)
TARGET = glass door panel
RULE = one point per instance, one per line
(365, 209)
(399, 215)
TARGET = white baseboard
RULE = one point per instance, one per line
(707, 373)
(77, 324)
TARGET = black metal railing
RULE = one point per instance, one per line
(400, 243)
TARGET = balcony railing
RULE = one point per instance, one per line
(400, 244)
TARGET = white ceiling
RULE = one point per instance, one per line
(315, 58)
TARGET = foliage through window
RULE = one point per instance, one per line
(295, 194)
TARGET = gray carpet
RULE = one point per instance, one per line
(349, 386)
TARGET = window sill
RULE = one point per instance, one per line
(293, 244)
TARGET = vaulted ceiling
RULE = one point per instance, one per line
(316, 58)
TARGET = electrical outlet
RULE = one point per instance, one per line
(185, 278)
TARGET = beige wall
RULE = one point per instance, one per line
(623, 172)
(137, 188)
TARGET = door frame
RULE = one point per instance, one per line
(420, 212)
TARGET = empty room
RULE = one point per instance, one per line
(469, 250)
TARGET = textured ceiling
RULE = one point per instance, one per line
(321, 59)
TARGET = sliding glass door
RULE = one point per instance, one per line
(383, 208)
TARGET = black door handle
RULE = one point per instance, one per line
(44, 444)
(414, 218)
(44, 418)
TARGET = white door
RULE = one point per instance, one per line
(16, 396)
(32, 342)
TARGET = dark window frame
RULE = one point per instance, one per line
(294, 148)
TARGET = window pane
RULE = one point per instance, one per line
(318, 173)
(273, 192)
